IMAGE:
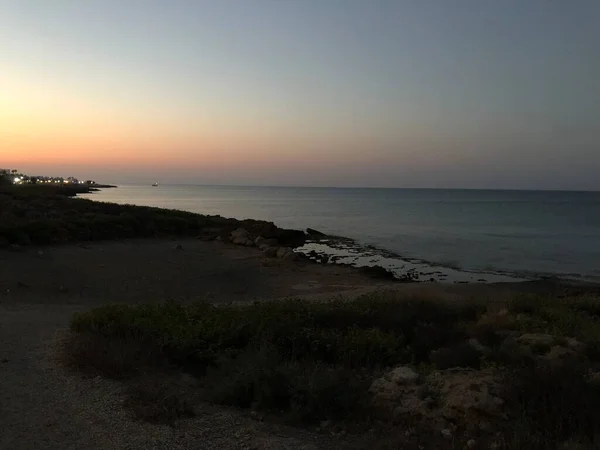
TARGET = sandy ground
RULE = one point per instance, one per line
(43, 407)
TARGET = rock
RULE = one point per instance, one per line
(259, 241)
(178, 247)
(391, 385)
(290, 238)
(271, 242)
(466, 392)
(240, 240)
(209, 234)
(378, 272)
(4, 243)
(325, 424)
(282, 251)
(446, 432)
(471, 443)
(457, 396)
(559, 353)
(473, 342)
(535, 339)
(219, 238)
(402, 375)
(40, 253)
(249, 243)
(594, 377)
(291, 256)
(574, 343)
(14, 247)
(409, 407)
(313, 232)
(239, 233)
(270, 252)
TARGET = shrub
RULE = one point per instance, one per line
(112, 356)
(312, 360)
(553, 404)
(47, 214)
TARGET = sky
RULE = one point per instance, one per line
(382, 93)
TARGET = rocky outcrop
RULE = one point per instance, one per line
(290, 238)
(393, 385)
(240, 233)
(536, 339)
(441, 399)
(314, 233)
(378, 272)
(241, 236)
(285, 253)
(546, 347)
(270, 236)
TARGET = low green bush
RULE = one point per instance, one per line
(42, 215)
(314, 361)
(553, 405)
(307, 362)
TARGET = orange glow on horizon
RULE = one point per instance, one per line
(43, 125)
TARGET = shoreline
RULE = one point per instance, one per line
(323, 248)
(347, 251)
(313, 245)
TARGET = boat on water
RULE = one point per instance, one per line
(154, 184)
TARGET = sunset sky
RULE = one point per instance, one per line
(419, 93)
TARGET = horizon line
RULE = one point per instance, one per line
(365, 187)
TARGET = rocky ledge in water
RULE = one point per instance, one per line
(383, 264)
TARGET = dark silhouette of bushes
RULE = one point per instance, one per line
(41, 215)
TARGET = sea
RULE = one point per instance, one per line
(442, 234)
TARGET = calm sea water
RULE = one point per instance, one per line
(536, 232)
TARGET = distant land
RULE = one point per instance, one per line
(15, 177)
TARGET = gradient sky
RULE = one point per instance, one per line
(420, 93)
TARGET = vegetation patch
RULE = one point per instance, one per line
(42, 215)
(432, 362)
